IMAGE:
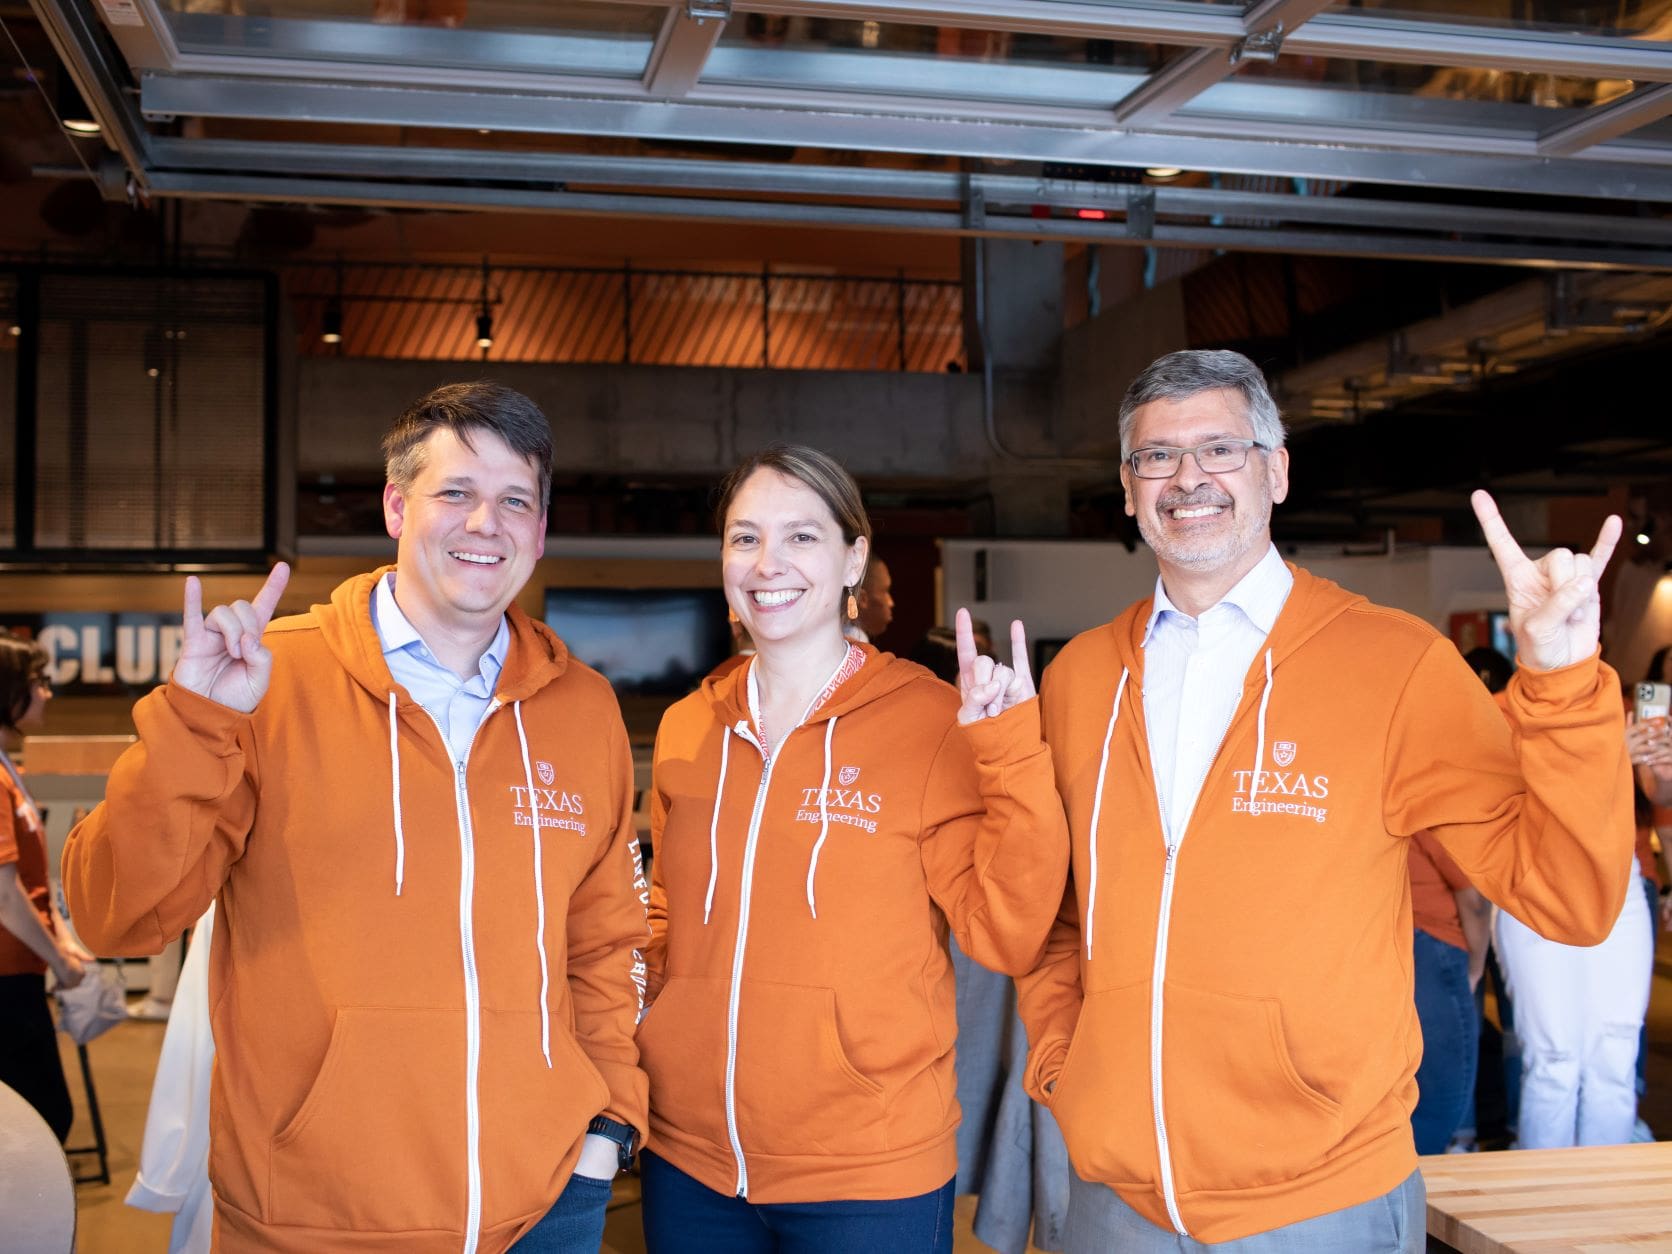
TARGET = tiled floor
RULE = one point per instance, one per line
(124, 1059)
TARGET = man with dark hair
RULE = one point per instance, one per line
(415, 811)
(1223, 1021)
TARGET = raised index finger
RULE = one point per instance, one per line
(267, 600)
(963, 632)
(1607, 538)
(1505, 551)
(1019, 652)
(191, 617)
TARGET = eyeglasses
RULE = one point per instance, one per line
(1216, 457)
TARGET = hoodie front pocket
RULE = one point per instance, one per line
(1101, 1100)
(798, 1092)
(682, 1048)
(377, 1145)
(1239, 1114)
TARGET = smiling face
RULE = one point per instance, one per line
(1198, 522)
(785, 562)
(470, 528)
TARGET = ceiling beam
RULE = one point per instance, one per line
(854, 183)
(1340, 34)
(71, 30)
(939, 127)
(1605, 122)
(948, 221)
(1181, 81)
(688, 35)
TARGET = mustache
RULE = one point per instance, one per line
(1193, 500)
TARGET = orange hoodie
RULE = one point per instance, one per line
(800, 1047)
(1225, 1029)
(23, 844)
(417, 1008)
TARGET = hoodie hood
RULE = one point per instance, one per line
(534, 657)
(1313, 603)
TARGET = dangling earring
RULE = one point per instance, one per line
(731, 615)
(853, 606)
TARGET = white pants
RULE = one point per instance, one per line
(1578, 1012)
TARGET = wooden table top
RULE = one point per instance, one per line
(1602, 1199)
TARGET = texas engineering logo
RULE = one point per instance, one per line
(845, 804)
(556, 807)
(1281, 791)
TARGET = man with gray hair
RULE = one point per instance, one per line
(1223, 1020)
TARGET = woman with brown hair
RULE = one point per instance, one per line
(822, 818)
(33, 936)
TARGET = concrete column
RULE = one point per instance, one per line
(1024, 305)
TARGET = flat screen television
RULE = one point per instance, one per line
(645, 641)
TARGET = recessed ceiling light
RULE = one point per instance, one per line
(81, 126)
(1163, 171)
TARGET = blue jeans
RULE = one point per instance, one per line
(684, 1216)
(1395, 1223)
(574, 1224)
(1450, 1043)
(1653, 894)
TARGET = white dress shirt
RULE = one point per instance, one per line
(1193, 676)
(457, 705)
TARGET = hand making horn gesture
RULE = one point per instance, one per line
(222, 656)
(989, 688)
(1554, 606)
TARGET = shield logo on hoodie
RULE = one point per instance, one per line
(547, 775)
(848, 775)
(1283, 752)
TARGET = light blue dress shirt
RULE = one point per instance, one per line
(457, 705)
(1193, 676)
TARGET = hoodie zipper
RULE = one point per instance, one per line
(1158, 999)
(746, 897)
(472, 985)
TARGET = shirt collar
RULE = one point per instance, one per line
(1259, 595)
(396, 633)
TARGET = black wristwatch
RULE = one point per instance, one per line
(625, 1136)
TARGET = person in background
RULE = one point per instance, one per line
(937, 652)
(33, 936)
(1452, 926)
(173, 1175)
(874, 599)
(1579, 1014)
(1498, 1065)
(1650, 744)
(823, 818)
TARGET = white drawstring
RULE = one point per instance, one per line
(824, 819)
(1097, 809)
(539, 892)
(395, 793)
(714, 827)
(1260, 739)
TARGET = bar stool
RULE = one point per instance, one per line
(98, 1148)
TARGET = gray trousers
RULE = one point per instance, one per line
(1395, 1223)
